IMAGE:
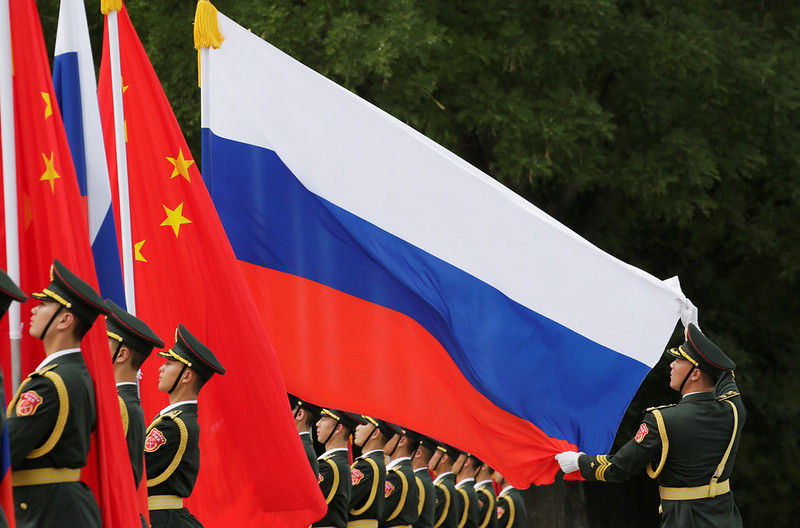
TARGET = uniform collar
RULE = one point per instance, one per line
(396, 461)
(126, 383)
(481, 483)
(421, 469)
(504, 490)
(305, 433)
(443, 475)
(464, 482)
(55, 355)
(363, 455)
(329, 452)
(698, 396)
(171, 406)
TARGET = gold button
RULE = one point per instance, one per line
(23, 505)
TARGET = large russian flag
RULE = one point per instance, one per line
(397, 280)
(75, 86)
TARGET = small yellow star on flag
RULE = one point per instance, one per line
(181, 165)
(124, 86)
(48, 106)
(137, 250)
(175, 218)
(50, 175)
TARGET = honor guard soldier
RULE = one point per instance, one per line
(402, 493)
(484, 489)
(305, 416)
(465, 468)
(688, 447)
(333, 430)
(9, 292)
(448, 513)
(427, 492)
(172, 455)
(510, 506)
(130, 342)
(369, 473)
(51, 418)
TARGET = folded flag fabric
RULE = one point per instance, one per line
(397, 280)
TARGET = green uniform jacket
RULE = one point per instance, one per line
(334, 481)
(511, 509)
(368, 474)
(172, 458)
(682, 446)
(427, 498)
(402, 495)
(50, 421)
(468, 504)
(448, 512)
(487, 504)
(308, 446)
(133, 426)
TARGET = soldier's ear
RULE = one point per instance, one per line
(124, 354)
(65, 319)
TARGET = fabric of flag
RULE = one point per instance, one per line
(53, 224)
(6, 493)
(76, 91)
(253, 470)
(397, 280)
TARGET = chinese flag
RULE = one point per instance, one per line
(53, 224)
(253, 471)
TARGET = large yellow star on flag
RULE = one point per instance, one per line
(175, 218)
(50, 175)
(181, 165)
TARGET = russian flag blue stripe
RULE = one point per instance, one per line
(285, 227)
(76, 92)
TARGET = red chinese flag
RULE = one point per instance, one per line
(53, 224)
(253, 470)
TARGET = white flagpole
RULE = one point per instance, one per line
(9, 150)
(122, 162)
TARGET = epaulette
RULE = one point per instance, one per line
(650, 409)
(46, 368)
(728, 395)
(173, 414)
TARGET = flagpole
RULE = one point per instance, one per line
(9, 151)
(110, 9)
(206, 35)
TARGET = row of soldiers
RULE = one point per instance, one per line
(52, 415)
(390, 484)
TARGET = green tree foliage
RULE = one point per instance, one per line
(666, 132)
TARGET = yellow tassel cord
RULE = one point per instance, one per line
(206, 30)
(107, 6)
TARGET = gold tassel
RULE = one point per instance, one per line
(206, 28)
(107, 6)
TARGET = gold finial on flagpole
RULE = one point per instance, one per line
(107, 6)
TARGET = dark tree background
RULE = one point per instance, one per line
(665, 132)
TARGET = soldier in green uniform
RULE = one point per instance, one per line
(486, 499)
(465, 468)
(172, 455)
(689, 447)
(306, 415)
(402, 492)
(510, 506)
(427, 491)
(333, 430)
(368, 473)
(9, 292)
(51, 418)
(448, 512)
(130, 342)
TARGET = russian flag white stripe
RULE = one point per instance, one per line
(73, 36)
(371, 164)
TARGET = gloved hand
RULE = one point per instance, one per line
(568, 460)
(689, 314)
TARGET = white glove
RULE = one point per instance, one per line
(568, 460)
(689, 314)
